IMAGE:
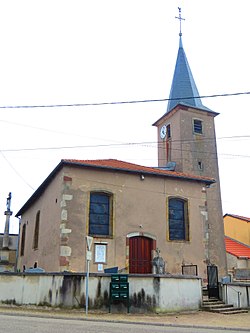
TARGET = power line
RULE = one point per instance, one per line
(204, 139)
(16, 172)
(146, 144)
(75, 134)
(120, 102)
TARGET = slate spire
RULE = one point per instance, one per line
(183, 89)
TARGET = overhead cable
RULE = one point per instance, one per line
(120, 102)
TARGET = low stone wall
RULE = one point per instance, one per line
(236, 293)
(154, 293)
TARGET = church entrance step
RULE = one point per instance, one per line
(217, 306)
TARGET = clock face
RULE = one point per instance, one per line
(163, 131)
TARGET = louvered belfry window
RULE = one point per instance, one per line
(197, 126)
(100, 214)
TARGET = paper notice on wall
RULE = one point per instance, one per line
(100, 267)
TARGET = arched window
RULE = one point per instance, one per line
(23, 240)
(100, 214)
(178, 219)
(36, 231)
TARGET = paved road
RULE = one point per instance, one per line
(18, 324)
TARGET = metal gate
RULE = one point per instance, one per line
(213, 284)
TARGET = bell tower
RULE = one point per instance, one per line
(187, 143)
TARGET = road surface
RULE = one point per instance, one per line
(19, 324)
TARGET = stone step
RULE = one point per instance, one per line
(228, 311)
(217, 306)
(209, 299)
(204, 292)
(225, 308)
(212, 302)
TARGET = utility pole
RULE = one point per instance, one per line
(8, 214)
(89, 241)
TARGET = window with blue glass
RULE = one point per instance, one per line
(100, 214)
(178, 219)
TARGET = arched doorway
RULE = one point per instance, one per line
(140, 255)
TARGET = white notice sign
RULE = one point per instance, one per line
(100, 253)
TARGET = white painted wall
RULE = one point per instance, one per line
(147, 293)
(171, 293)
(237, 294)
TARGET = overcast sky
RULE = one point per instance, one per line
(77, 51)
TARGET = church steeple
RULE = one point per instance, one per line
(187, 143)
(183, 89)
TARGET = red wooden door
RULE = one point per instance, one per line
(140, 255)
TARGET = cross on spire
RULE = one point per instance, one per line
(180, 19)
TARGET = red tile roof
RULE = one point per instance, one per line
(112, 165)
(131, 167)
(247, 219)
(236, 248)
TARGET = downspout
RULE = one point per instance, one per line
(18, 241)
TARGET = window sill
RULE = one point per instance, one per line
(179, 240)
(101, 236)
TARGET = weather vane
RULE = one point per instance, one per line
(180, 19)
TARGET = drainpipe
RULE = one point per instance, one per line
(206, 225)
(18, 241)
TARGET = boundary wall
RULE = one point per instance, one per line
(236, 293)
(152, 293)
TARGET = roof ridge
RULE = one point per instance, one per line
(112, 165)
(247, 219)
(237, 241)
(137, 167)
(237, 249)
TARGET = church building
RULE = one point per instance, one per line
(135, 213)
